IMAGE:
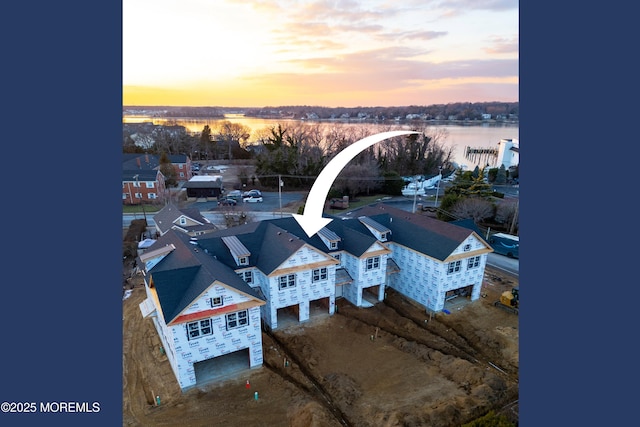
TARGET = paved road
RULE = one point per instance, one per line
(271, 203)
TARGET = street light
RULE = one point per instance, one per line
(438, 185)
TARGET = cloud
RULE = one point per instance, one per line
(462, 5)
(503, 45)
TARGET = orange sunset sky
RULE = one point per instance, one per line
(326, 53)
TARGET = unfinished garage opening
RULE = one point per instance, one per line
(457, 298)
(319, 308)
(288, 316)
(222, 367)
(370, 295)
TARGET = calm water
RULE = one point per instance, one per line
(458, 137)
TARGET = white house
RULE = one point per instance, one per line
(186, 220)
(208, 294)
(508, 153)
(200, 309)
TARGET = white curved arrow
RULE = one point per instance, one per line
(311, 219)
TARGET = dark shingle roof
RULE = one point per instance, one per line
(270, 242)
(166, 217)
(186, 272)
(468, 223)
(214, 183)
(137, 161)
(189, 269)
(143, 175)
(430, 236)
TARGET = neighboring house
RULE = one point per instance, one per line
(356, 258)
(182, 165)
(508, 153)
(147, 168)
(203, 312)
(144, 185)
(204, 186)
(186, 220)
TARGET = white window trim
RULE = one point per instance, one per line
(237, 320)
(474, 262)
(370, 263)
(198, 329)
(247, 276)
(454, 267)
(319, 274)
(288, 282)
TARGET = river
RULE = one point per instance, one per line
(458, 137)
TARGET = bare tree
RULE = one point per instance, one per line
(505, 212)
(473, 207)
(233, 135)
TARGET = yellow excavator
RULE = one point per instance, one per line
(509, 300)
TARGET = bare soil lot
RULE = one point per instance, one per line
(388, 365)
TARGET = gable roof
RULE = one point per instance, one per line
(129, 175)
(427, 235)
(468, 223)
(270, 243)
(186, 272)
(166, 217)
(137, 161)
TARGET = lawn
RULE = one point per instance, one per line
(130, 209)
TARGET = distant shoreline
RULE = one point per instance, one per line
(491, 122)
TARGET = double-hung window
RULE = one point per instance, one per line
(453, 267)
(247, 276)
(319, 274)
(373, 263)
(473, 262)
(198, 329)
(287, 281)
(237, 320)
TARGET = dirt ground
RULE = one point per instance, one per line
(388, 365)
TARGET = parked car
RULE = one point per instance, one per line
(252, 199)
(338, 204)
(236, 194)
(252, 193)
(227, 201)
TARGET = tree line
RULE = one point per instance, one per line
(297, 152)
(459, 110)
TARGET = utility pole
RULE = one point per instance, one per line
(415, 194)
(438, 186)
(141, 200)
(131, 200)
(515, 217)
(280, 193)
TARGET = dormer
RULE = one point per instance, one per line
(151, 258)
(329, 238)
(239, 251)
(378, 230)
